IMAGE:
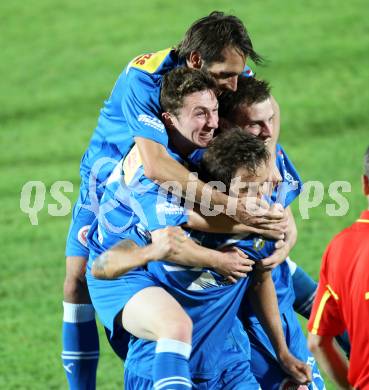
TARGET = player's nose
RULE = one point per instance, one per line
(213, 120)
(268, 129)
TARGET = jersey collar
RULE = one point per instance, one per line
(364, 217)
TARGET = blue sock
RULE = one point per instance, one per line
(80, 346)
(170, 368)
(305, 289)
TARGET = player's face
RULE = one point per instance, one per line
(198, 118)
(255, 185)
(226, 73)
(256, 119)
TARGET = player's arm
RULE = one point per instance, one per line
(223, 224)
(325, 322)
(263, 299)
(122, 258)
(329, 357)
(173, 245)
(159, 166)
(184, 251)
(283, 247)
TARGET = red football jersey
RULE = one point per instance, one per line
(342, 300)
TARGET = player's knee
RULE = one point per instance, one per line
(75, 285)
(75, 290)
(179, 328)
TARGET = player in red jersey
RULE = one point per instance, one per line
(343, 301)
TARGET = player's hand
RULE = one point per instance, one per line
(299, 371)
(168, 243)
(233, 264)
(270, 221)
(277, 257)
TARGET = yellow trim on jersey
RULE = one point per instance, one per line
(150, 62)
(335, 296)
(131, 163)
(367, 295)
(319, 313)
(363, 220)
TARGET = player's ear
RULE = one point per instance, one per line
(365, 184)
(167, 119)
(195, 60)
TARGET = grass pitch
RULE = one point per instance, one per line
(60, 61)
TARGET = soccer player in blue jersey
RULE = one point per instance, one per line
(207, 299)
(217, 43)
(251, 109)
(147, 309)
(219, 162)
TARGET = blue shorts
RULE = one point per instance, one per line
(82, 217)
(264, 364)
(110, 296)
(235, 377)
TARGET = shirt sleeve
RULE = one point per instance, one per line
(326, 318)
(141, 106)
(291, 185)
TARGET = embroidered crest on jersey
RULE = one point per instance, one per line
(151, 121)
(82, 235)
(149, 62)
(258, 244)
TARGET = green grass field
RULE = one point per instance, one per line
(59, 62)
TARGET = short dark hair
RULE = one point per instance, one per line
(213, 33)
(366, 163)
(181, 82)
(229, 151)
(249, 91)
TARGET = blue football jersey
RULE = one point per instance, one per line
(131, 199)
(257, 247)
(132, 110)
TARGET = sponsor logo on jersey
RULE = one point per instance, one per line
(149, 63)
(151, 121)
(206, 280)
(82, 235)
(141, 60)
(291, 180)
(169, 208)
